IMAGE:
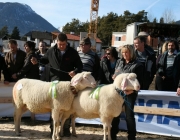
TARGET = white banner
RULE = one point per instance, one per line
(147, 123)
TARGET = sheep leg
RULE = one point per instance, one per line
(62, 125)
(55, 117)
(107, 126)
(63, 119)
(104, 127)
(17, 119)
(58, 122)
(73, 117)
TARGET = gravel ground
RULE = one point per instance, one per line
(39, 130)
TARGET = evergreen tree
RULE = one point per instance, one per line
(15, 33)
(161, 20)
(4, 31)
(155, 20)
(76, 26)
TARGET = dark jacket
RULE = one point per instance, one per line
(131, 67)
(106, 72)
(176, 68)
(41, 66)
(148, 76)
(29, 70)
(14, 66)
(60, 65)
(3, 68)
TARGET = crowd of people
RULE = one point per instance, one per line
(61, 62)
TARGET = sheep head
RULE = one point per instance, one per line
(83, 80)
(127, 81)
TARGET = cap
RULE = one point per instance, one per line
(143, 34)
(85, 40)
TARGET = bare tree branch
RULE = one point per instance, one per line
(168, 16)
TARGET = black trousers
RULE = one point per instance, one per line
(159, 83)
(169, 84)
(130, 119)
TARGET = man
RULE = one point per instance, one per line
(147, 57)
(3, 68)
(169, 67)
(90, 59)
(14, 60)
(64, 63)
(40, 53)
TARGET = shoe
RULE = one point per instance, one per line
(114, 137)
(67, 133)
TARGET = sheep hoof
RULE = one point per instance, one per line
(18, 134)
(74, 135)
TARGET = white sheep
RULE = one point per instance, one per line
(42, 97)
(106, 105)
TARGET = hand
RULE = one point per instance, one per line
(34, 61)
(6, 82)
(114, 76)
(72, 73)
(14, 76)
(127, 92)
(178, 91)
(163, 77)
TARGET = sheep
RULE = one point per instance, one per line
(106, 106)
(40, 97)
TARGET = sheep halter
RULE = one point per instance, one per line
(52, 89)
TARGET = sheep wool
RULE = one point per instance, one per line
(42, 97)
(106, 107)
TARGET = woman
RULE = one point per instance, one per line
(29, 70)
(128, 64)
(107, 66)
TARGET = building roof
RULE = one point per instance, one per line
(160, 29)
(73, 37)
(39, 35)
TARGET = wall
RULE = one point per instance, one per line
(19, 42)
(121, 36)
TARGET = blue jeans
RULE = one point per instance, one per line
(130, 119)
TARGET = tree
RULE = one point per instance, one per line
(76, 26)
(155, 20)
(4, 31)
(15, 33)
(107, 25)
(161, 20)
(168, 16)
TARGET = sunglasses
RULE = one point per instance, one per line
(107, 53)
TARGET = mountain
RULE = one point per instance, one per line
(22, 16)
(178, 22)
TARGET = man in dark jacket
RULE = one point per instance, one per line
(169, 67)
(14, 60)
(147, 57)
(63, 62)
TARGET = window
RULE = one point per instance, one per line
(118, 38)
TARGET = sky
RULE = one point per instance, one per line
(60, 12)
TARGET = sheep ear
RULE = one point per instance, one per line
(132, 75)
(76, 81)
(124, 84)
